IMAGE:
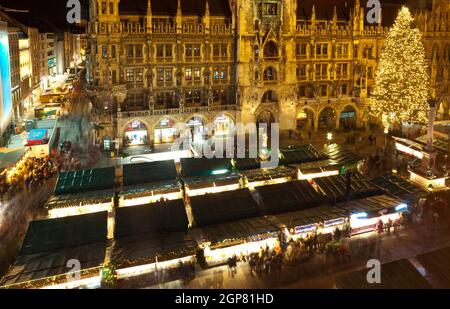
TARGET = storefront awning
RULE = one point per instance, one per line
(268, 174)
(155, 188)
(79, 199)
(371, 205)
(238, 230)
(311, 216)
(194, 183)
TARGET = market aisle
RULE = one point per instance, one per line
(406, 243)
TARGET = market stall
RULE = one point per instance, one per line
(84, 192)
(223, 207)
(194, 186)
(400, 187)
(239, 237)
(261, 177)
(365, 213)
(323, 220)
(73, 204)
(289, 196)
(339, 161)
(196, 167)
(300, 154)
(345, 187)
(48, 247)
(146, 183)
(153, 238)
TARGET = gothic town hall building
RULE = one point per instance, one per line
(306, 64)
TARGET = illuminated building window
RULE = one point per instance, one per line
(342, 50)
(301, 71)
(129, 75)
(321, 71)
(139, 75)
(342, 69)
(322, 50)
(300, 50)
(138, 50)
(188, 74)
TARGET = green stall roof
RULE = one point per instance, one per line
(60, 233)
(204, 167)
(159, 217)
(140, 173)
(288, 196)
(223, 207)
(50, 244)
(85, 180)
(301, 154)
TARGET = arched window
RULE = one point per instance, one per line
(270, 74)
(270, 50)
(270, 97)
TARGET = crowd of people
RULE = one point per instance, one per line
(27, 175)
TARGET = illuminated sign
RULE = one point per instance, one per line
(346, 115)
(305, 228)
(5, 76)
(51, 62)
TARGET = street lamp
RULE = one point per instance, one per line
(329, 137)
(386, 132)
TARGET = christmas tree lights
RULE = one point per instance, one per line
(401, 83)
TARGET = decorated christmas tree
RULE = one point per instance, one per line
(401, 81)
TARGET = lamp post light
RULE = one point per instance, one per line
(329, 137)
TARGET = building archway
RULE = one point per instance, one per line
(305, 119)
(196, 125)
(223, 125)
(136, 134)
(270, 96)
(327, 119)
(264, 122)
(165, 131)
(347, 118)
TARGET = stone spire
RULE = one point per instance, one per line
(206, 20)
(313, 16)
(149, 16)
(178, 19)
(335, 18)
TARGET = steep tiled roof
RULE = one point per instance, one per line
(325, 8)
(169, 7)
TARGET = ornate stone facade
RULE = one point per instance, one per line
(252, 60)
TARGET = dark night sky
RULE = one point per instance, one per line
(53, 10)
